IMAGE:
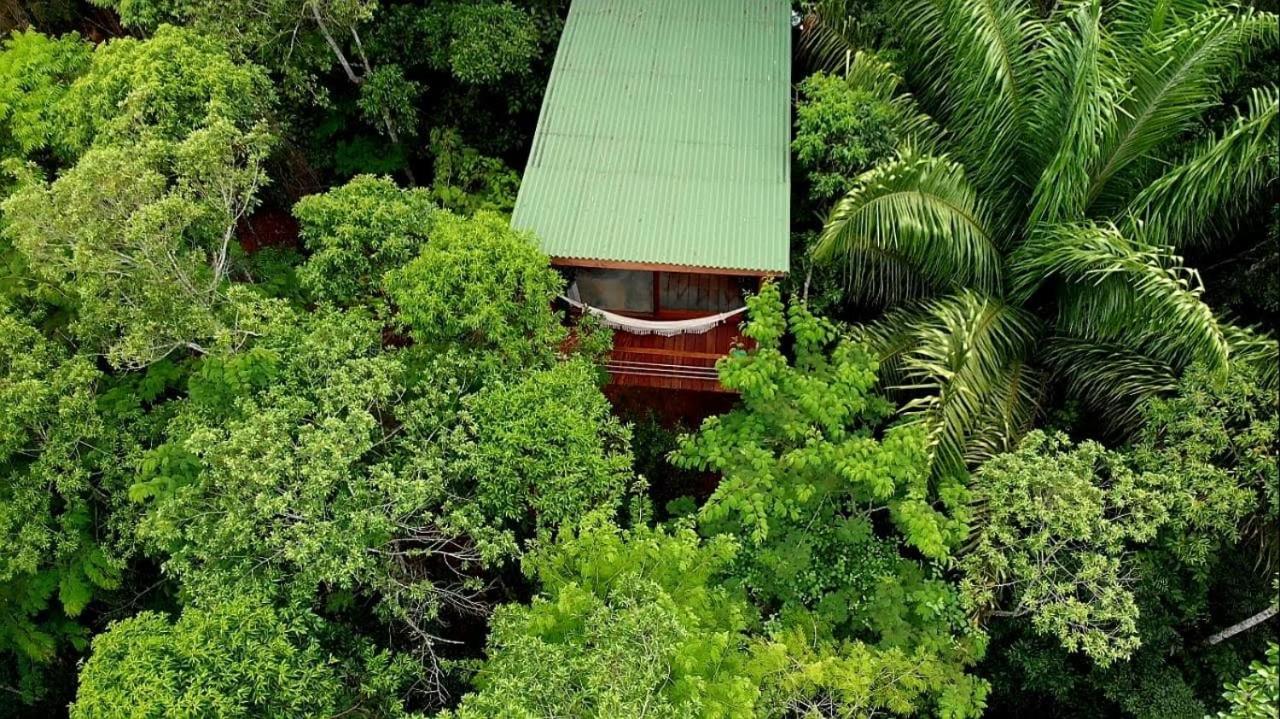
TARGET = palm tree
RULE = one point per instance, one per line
(1031, 235)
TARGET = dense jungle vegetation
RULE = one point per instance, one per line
(289, 426)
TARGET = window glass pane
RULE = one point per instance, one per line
(625, 290)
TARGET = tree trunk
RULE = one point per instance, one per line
(1246, 625)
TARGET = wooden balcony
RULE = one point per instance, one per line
(685, 362)
(681, 362)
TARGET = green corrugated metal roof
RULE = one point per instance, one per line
(664, 134)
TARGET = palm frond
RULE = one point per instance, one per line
(870, 73)
(1112, 289)
(920, 212)
(1112, 379)
(1216, 175)
(962, 359)
(831, 34)
(1131, 22)
(889, 339)
(1257, 350)
(975, 76)
(1177, 72)
(1009, 412)
(1077, 92)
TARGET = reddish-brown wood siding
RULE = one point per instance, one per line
(682, 362)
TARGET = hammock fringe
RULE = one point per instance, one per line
(697, 326)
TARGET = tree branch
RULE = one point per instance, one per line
(1243, 626)
(342, 58)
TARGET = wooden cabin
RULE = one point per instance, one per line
(659, 177)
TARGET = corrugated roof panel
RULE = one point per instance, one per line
(664, 136)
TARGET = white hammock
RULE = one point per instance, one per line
(696, 326)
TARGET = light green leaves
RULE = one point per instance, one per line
(1254, 696)
(240, 658)
(1054, 532)
(357, 232)
(545, 444)
(139, 235)
(479, 284)
(36, 71)
(627, 624)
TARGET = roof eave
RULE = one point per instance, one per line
(663, 267)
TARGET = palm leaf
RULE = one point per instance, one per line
(963, 361)
(975, 75)
(1110, 378)
(875, 76)
(917, 212)
(1259, 351)
(830, 35)
(1178, 71)
(1111, 289)
(1132, 22)
(1178, 206)
(1009, 412)
(1076, 96)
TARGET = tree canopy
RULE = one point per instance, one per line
(294, 424)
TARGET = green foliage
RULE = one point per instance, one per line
(636, 623)
(1055, 529)
(1204, 570)
(357, 232)
(1257, 694)
(293, 420)
(1031, 241)
(845, 125)
(241, 658)
(163, 88)
(36, 72)
(466, 181)
(55, 463)
(840, 133)
(802, 440)
(482, 285)
(490, 40)
(808, 675)
(138, 236)
(544, 444)
(478, 43)
(389, 99)
(320, 462)
(833, 31)
(807, 476)
(1218, 436)
(141, 239)
(284, 36)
